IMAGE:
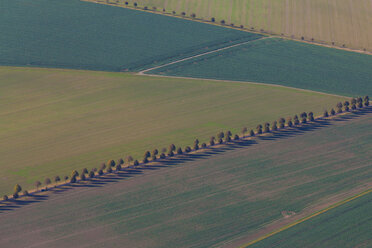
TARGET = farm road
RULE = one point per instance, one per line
(199, 55)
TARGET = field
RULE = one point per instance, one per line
(340, 21)
(54, 121)
(349, 225)
(45, 33)
(284, 62)
(82, 83)
(203, 200)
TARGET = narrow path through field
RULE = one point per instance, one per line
(199, 55)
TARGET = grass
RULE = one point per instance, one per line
(342, 22)
(330, 229)
(54, 121)
(284, 62)
(204, 200)
(82, 35)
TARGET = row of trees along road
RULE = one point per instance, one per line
(221, 138)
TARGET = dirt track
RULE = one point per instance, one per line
(143, 72)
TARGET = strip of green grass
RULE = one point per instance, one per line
(204, 200)
(349, 225)
(82, 35)
(283, 62)
(54, 121)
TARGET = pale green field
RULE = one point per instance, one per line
(54, 121)
(341, 21)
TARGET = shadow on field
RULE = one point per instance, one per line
(132, 171)
(14, 204)
(297, 130)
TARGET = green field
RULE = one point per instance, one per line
(284, 62)
(81, 35)
(205, 200)
(339, 21)
(349, 225)
(53, 121)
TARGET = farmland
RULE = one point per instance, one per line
(344, 22)
(80, 35)
(54, 121)
(85, 84)
(330, 229)
(283, 62)
(203, 200)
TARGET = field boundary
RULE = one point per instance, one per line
(243, 82)
(333, 206)
(317, 43)
(143, 72)
(33, 192)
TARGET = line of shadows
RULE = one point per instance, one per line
(132, 171)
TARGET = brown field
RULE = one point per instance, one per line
(344, 22)
(209, 199)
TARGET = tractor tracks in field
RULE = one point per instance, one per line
(307, 214)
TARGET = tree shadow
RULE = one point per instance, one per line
(296, 130)
(13, 204)
(59, 190)
(354, 114)
(132, 171)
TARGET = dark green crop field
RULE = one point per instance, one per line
(81, 35)
(208, 199)
(349, 225)
(284, 62)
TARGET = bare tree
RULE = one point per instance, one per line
(274, 126)
(289, 122)
(259, 129)
(37, 185)
(251, 133)
(267, 127)
(311, 116)
(211, 142)
(57, 179)
(244, 131)
(179, 151)
(129, 159)
(47, 181)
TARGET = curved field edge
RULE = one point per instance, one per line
(45, 33)
(283, 62)
(54, 121)
(204, 200)
(328, 229)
